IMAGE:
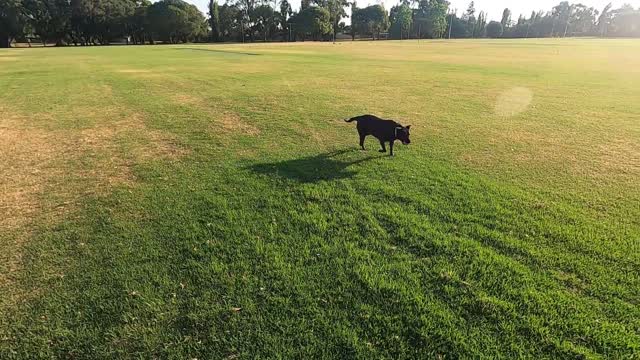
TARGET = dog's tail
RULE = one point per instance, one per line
(358, 118)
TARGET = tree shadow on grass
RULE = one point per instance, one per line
(312, 169)
(221, 51)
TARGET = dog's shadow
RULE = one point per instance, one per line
(323, 167)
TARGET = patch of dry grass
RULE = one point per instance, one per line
(231, 122)
(29, 161)
(115, 147)
(35, 161)
(134, 71)
(615, 160)
(186, 99)
(25, 154)
(620, 156)
(223, 120)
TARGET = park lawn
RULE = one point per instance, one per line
(207, 201)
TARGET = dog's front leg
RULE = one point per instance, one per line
(384, 148)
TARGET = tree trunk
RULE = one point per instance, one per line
(4, 41)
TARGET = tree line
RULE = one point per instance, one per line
(100, 22)
(564, 20)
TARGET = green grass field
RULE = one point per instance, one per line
(208, 201)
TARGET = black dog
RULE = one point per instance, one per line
(384, 130)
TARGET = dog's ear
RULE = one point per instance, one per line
(408, 127)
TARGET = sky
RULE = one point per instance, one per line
(493, 8)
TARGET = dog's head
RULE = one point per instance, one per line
(402, 134)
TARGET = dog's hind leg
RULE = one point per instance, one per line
(384, 148)
(362, 136)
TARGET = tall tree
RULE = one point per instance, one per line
(604, 19)
(583, 21)
(354, 10)
(437, 18)
(378, 19)
(519, 29)
(370, 20)
(214, 20)
(336, 9)
(336, 13)
(626, 22)
(400, 17)
(12, 21)
(420, 18)
(562, 14)
(469, 18)
(246, 21)
(263, 20)
(470, 12)
(230, 22)
(138, 23)
(176, 21)
(506, 18)
(458, 27)
(50, 19)
(480, 25)
(431, 18)
(285, 13)
(313, 21)
(99, 21)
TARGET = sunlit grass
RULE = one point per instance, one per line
(208, 202)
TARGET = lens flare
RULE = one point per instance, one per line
(513, 101)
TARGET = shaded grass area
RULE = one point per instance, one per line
(488, 236)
